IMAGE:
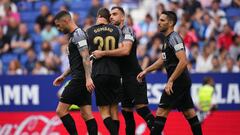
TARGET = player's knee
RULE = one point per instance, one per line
(61, 112)
(162, 112)
(190, 113)
(140, 106)
(127, 109)
(86, 115)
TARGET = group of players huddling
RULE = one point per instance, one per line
(114, 74)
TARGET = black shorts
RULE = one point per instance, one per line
(133, 92)
(107, 89)
(180, 99)
(76, 93)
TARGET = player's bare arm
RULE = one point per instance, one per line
(62, 77)
(87, 68)
(123, 50)
(178, 71)
(156, 65)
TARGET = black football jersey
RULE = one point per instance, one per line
(104, 37)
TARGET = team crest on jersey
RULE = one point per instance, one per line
(164, 57)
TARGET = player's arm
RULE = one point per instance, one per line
(62, 77)
(125, 46)
(181, 65)
(156, 65)
(81, 42)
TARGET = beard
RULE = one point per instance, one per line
(65, 31)
(117, 23)
(163, 29)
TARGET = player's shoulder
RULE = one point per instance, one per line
(174, 38)
(127, 29)
(78, 33)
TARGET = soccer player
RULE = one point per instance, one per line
(106, 72)
(78, 91)
(177, 90)
(134, 93)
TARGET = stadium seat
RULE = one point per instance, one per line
(38, 4)
(57, 5)
(28, 16)
(24, 6)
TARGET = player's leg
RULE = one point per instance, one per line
(128, 116)
(160, 120)
(141, 103)
(105, 112)
(192, 118)
(86, 113)
(67, 120)
(114, 116)
(187, 108)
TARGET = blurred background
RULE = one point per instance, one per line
(33, 53)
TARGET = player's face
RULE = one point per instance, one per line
(61, 26)
(116, 17)
(163, 23)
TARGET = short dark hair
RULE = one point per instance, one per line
(119, 8)
(61, 14)
(105, 13)
(171, 16)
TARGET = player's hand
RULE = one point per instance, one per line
(89, 84)
(98, 54)
(141, 75)
(168, 88)
(58, 80)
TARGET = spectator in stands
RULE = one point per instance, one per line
(160, 9)
(49, 33)
(222, 56)
(142, 56)
(238, 61)
(88, 22)
(7, 2)
(190, 6)
(234, 50)
(230, 66)
(14, 68)
(154, 51)
(4, 43)
(42, 18)
(225, 38)
(194, 52)
(218, 15)
(12, 27)
(39, 69)
(149, 28)
(50, 60)
(204, 61)
(64, 58)
(10, 14)
(31, 60)
(216, 66)
(134, 26)
(92, 12)
(207, 27)
(175, 6)
(189, 36)
(237, 28)
(21, 41)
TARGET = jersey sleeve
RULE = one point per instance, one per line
(177, 43)
(80, 39)
(128, 34)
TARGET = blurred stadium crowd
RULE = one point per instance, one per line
(30, 44)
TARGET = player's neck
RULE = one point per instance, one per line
(72, 27)
(169, 31)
